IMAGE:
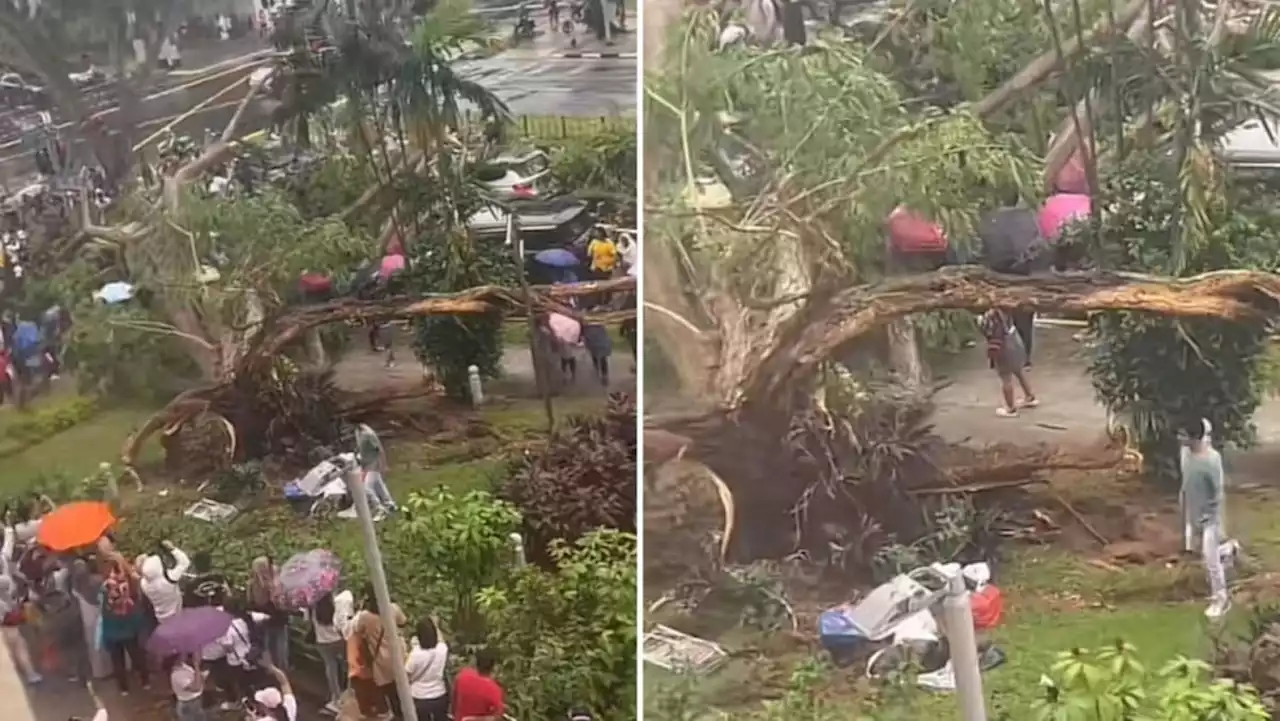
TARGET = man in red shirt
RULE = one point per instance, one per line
(475, 694)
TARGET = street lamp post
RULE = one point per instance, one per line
(378, 576)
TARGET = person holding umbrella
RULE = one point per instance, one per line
(1011, 242)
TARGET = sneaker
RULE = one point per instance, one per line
(1218, 608)
(331, 708)
(228, 706)
(1029, 403)
(35, 679)
(1007, 412)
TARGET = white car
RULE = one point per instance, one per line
(522, 174)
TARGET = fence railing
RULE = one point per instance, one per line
(556, 127)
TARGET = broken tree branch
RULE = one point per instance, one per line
(812, 337)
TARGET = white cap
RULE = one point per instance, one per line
(269, 697)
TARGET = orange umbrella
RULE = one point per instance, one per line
(75, 524)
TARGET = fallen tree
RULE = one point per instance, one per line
(257, 378)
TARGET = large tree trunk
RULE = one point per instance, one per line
(802, 479)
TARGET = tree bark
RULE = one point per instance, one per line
(814, 336)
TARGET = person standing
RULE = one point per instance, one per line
(266, 597)
(475, 692)
(373, 464)
(1203, 501)
(331, 617)
(122, 623)
(1008, 358)
(161, 584)
(86, 588)
(1011, 243)
(426, 669)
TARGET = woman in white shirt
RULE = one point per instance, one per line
(426, 670)
(331, 619)
(160, 584)
(188, 688)
(238, 642)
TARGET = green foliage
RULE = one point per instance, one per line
(1110, 684)
(330, 188)
(603, 161)
(821, 119)
(238, 481)
(36, 426)
(126, 352)
(450, 343)
(568, 635)
(466, 543)
(1161, 371)
(583, 480)
(263, 243)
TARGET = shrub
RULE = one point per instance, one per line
(1157, 370)
(567, 635)
(39, 425)
(583, 480)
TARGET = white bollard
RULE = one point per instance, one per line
(517, 542)
(473, 378)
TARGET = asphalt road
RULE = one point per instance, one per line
(554, 86)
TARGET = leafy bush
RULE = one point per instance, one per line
(465, 543)
(567, 635)
(1110, 683)
(449, 344)
(239, 481)
(583, 480)
(39, 425)
(605, 161)
(1159, 371)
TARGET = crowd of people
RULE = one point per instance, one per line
(90, 614)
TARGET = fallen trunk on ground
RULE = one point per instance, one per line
(256, 381)
(778, 450)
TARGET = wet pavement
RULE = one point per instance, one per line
(553, 86)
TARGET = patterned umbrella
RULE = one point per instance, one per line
(306, 577)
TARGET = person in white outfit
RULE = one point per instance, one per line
(331, 618)
(1203, 501)
(426, 669)
(161, 585)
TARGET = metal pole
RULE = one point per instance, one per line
(957, 613)
(539, 368)
(607, 10)
(378, 576)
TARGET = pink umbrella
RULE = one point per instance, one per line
(565, 329)
(391, 264)
(1060, 210)
(911, 232)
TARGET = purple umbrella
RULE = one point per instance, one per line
(557, 258)
(188, 631)
(306, 577)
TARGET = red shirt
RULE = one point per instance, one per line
(476, 695)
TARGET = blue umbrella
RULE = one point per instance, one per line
(113, 293)
(557, 258)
